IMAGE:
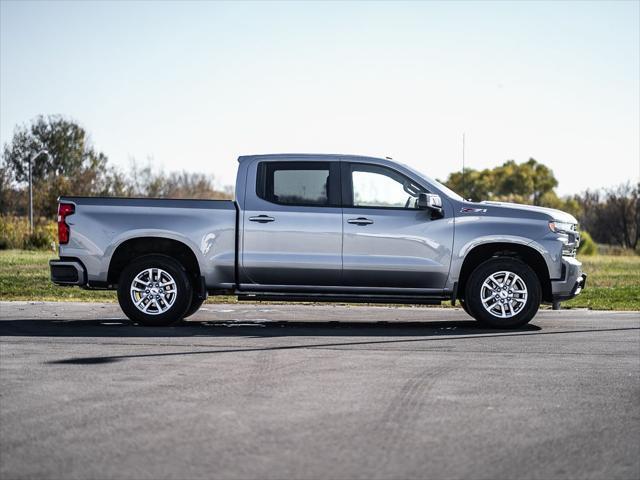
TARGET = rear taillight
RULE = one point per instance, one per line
(64, 210)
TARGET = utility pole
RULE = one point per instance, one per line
(464, 195)
(31, 160)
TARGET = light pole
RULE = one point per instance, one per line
(31, 160)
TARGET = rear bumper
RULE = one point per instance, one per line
(67, 272)
(572, 282)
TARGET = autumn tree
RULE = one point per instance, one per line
(73, 166)
(145, 181)
(612, 216)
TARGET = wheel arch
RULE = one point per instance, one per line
(525, 253)
(136, 247)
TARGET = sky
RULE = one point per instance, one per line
(193, 85)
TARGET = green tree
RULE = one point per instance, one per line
(7, 196)
(544, 182)
(528, 182)
(476, 185)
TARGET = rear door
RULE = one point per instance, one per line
(292, 225)
(388, 242)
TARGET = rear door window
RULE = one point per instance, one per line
(298, 183)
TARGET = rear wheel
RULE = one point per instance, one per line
(154, 290)
(503, 292)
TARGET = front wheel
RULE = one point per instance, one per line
(154, 290)
(503, 292)
(196, 303)
(465, 307)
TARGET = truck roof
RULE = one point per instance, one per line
(308, 156)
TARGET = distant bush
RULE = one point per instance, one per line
(4, 244)
(587, 245)
(14, 232)
(37, 241)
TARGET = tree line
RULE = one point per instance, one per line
(75, 167)
(611, 216)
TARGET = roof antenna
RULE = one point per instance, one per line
(464, 196)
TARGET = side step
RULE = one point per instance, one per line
(336, 297)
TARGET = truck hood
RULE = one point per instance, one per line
(553, 213)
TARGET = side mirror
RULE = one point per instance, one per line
(432, 202)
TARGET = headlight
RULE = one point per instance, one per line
(562, 227)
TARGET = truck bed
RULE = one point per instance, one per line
(102, 226)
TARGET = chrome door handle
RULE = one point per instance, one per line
(360, 221)
(262, 219)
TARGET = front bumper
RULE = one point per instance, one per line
(67, 272)
(572, 282)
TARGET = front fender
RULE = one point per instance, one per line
(475, 242)
(551, 257)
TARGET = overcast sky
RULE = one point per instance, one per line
(194, 85)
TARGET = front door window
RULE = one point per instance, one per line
(379, 187)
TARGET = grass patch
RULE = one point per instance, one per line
(613, 282)
(24, 275)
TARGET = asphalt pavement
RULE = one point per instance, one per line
(268, 391)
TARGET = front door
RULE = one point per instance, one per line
(389, 242)
(292, 227)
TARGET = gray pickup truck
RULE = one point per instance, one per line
(336, 228)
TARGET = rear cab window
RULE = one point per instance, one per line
(312, 184)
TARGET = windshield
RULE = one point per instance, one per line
(448, 191)
(443, 188)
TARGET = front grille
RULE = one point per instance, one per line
(570, 249)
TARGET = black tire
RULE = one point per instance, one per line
(196, 303)
(465, 307)
(181, 301)
(492, 266)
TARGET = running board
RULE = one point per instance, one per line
(320, 297)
